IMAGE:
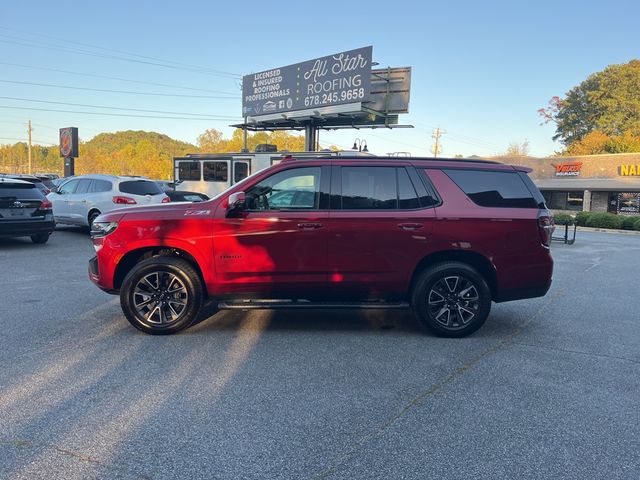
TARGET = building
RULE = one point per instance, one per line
(596, 183)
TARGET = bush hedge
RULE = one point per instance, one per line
(636, 224)
(563, 219)
(582, 217)
(604, 220)
(628, 223)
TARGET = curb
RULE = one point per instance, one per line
(608, 230)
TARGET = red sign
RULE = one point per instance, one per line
(568, 169)
(69, 142)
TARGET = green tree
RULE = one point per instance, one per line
(608, 101)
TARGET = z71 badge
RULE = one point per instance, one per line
(197, 212)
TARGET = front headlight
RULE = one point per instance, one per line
(100, 229)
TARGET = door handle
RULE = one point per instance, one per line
(410, 226)
(309, 226)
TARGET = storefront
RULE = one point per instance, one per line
(597, 183)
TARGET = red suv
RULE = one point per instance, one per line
(443, 237)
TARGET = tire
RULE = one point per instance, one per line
(40, 238)
(161, 295)
(451, 299)
(92, 216)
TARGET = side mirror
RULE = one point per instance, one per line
(236, 202)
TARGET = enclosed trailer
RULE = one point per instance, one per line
(212, 173)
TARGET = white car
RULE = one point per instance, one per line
(80, 200)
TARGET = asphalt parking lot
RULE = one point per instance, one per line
(548, 388)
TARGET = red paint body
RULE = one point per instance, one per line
(329, 254)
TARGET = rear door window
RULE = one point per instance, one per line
(493, 189)
(99, 186)
(369, 188)
(140, 187)
(83, 186)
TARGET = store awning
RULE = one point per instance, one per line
(626, 184)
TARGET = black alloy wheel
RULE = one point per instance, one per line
(161, 295)
(451, 299)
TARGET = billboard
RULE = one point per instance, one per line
(69, 142)
(337, 79)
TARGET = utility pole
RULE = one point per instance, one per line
(29, 172)
(436, 148)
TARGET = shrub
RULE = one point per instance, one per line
(629, 222)
(563, 219)
(604, 220)
(582, 217)
(636, 224)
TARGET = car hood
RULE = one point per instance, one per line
(164, 211)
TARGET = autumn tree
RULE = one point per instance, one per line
(517, 149)
(607, 101)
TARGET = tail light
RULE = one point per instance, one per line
(166, 200)
(546, 226)
(46, 205)
(123, 200)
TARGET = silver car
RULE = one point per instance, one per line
(80, 200)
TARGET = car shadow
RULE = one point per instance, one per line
(213, 319)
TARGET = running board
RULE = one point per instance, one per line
(301, 304)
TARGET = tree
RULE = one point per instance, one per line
(517, 149)
(210, 140)
(597, 142)
(608, 101)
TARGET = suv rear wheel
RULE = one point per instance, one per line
(161, 295)
(451, 299)
(40, 238)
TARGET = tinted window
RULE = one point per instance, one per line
(215, 171)
(298, 188)
(189, 171)
(68, 187)
(100, 186)
(140, 187)
(241, 171)
(493, 189)
(83, 186)
(19, 191)
(369, 188)
(407, 196)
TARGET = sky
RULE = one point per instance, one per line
(480, 70)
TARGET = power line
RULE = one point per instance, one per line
(120, 79)
(63, 40)
(229, 119)
(25, 141)
(115, 108)
(20, 82)
(77, 51)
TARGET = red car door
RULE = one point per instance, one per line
(379, 229)
(277, 245)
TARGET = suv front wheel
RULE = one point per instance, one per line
(451, 299)
(161, 295)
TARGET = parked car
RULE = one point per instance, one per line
(81, 199)
(24, 211)
(184, 196)
(443, 237)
